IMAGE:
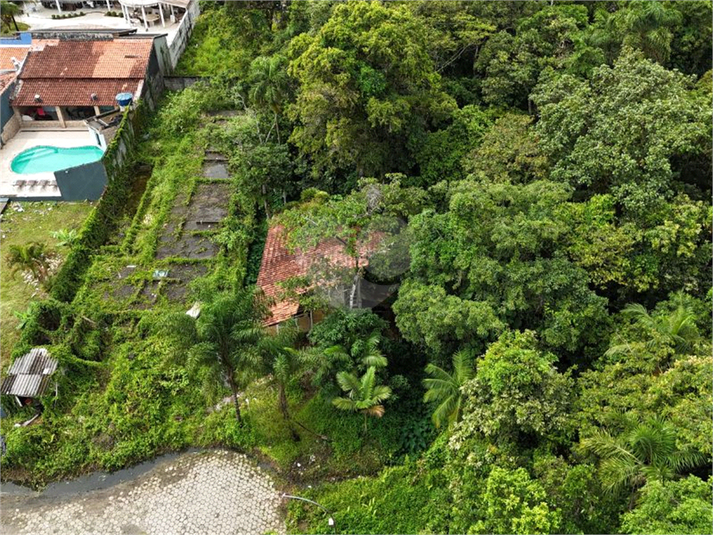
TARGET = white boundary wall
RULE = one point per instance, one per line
(180, 40)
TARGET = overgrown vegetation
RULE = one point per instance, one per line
(21, 225)
(537, 176)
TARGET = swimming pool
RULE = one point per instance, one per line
(44, 158)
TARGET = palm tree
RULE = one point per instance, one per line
(365, 352)
(9, 10)
(31, 257)
(365, 396)
(443, 388)
(270, 85)
(642, 452)
(225, 341)
(677, 328)
(361, 354)
(648, 27)
(282, 361)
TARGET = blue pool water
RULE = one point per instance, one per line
(44, 158)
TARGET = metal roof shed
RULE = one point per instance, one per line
(29, 376)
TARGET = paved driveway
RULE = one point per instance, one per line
(212, 493)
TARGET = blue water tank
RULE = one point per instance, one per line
(124, 99)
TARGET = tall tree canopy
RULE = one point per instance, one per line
(626, 131)
(366, 84)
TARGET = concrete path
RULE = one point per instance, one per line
(211, 493)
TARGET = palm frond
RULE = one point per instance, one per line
(445, 411)
(344, 404)
(375, 410)
(639, 314)
(615, 473)
(602, 444)
(381, 393)
(375, 360)
(438, 389)
(463, 368)
(368, 381)
(348, 382)
(686, 460)
(438, 373)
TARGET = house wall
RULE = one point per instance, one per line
(122, 142)
(50, 125)
(302, 321)
(153, 83)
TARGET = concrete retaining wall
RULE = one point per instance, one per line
(6, 113)
(10, 128)
(179, 83)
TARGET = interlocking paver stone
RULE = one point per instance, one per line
(200, 493)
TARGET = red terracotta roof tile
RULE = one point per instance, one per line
(6, 80)
(66, 73)
(9, 52)
(75, 92)
(118, 58)
(279, 265)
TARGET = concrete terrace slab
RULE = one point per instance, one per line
(26, 139)
(94, 19)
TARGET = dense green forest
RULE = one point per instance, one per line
(545, 363)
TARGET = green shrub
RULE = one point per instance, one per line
(404, 499)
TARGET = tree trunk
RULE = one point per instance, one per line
(355, 295)
(264, 201)
(234, 388)
(352, 294)
(323, 437)
(285, 410)
(15, 23)
(277, 128)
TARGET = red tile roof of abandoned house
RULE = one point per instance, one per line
(68, 72)
(279, 265)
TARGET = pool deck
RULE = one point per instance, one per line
(26, 139)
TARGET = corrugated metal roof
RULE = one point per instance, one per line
(36, 362)
(29, 386)
(29, 375)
